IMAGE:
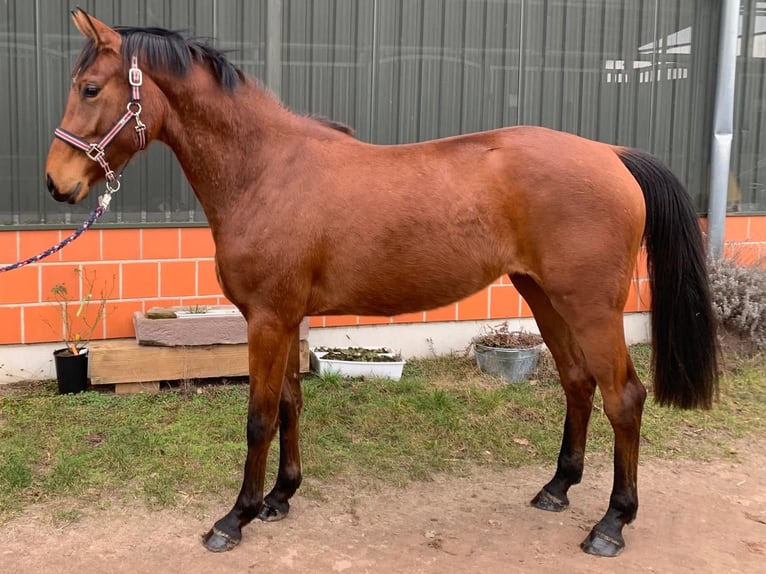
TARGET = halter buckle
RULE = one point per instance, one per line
(135, 77)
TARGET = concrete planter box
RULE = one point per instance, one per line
(219, 325)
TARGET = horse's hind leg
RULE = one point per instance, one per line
(276, 504)
(589, 348)
(603, 343)
(579, 387)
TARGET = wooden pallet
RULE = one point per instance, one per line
(132, 368)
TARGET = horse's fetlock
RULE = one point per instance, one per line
(571, 467)
(290, 479)
(247, 508)
(626, 505)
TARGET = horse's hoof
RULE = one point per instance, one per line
(269, 513)
(600, 544)
(219, 541)
(546, 501)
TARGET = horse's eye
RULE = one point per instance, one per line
(90, 91)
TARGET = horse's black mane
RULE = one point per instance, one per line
(168, 50)
(337, 126)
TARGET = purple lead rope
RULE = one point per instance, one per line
(98, 212)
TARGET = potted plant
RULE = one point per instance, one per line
(510, 354)
(357, 362)
(80, 316)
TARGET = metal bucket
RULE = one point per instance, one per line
(513, 365)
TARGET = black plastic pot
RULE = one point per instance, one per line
(71, 371)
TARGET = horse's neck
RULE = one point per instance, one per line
(218, 136)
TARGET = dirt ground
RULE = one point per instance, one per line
(694, 517)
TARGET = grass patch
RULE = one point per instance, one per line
(180, 448)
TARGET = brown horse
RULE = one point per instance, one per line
(300, 209)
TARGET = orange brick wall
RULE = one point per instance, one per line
(148, 267)
(174, 266)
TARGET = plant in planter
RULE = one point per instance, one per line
(357, 361)
(80, 316)
(510, 354)
(196, 310)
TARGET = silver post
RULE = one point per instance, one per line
(723, 126)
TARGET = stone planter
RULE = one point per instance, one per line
(177, 327)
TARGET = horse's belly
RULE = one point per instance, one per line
(389, 287)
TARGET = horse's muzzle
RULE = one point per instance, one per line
(51, 185)
(53, 189)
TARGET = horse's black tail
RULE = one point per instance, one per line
(684, 342)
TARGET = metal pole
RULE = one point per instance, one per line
(274, 46)
(372, 78)
(723, 126)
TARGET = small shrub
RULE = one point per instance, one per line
(502, 337)
(739, 298)
(80, 315)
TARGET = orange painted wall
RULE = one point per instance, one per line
(174, 266)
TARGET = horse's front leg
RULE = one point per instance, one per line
(276, 504)
(268, 346)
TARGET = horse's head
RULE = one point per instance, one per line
(107, 117)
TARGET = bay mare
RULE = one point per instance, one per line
(308, 220)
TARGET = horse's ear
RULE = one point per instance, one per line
(95, 30)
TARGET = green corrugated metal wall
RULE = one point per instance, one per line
(633, 72)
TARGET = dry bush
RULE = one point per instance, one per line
(739, 298)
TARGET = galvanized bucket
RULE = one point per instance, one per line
(513, 365)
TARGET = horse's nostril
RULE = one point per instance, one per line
(51, 186)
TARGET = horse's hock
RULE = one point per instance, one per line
(174, 344)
